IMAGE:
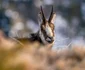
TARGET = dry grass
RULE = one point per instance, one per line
(17, 57)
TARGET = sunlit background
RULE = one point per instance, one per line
(21, 16)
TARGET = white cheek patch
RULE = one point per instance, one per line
(49, 31)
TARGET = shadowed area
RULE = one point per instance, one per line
(14, 56)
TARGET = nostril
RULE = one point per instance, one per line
(50, 39)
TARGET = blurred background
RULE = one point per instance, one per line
(21, 16)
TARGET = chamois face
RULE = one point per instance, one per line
(47, 30)
(47, 27)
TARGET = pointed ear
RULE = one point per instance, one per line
(52, 18)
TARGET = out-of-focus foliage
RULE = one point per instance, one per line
(16, 57)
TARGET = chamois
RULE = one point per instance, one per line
(45, 34)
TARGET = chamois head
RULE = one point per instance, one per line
(47, 27)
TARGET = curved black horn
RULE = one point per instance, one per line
(51, 15)
(43, 17)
